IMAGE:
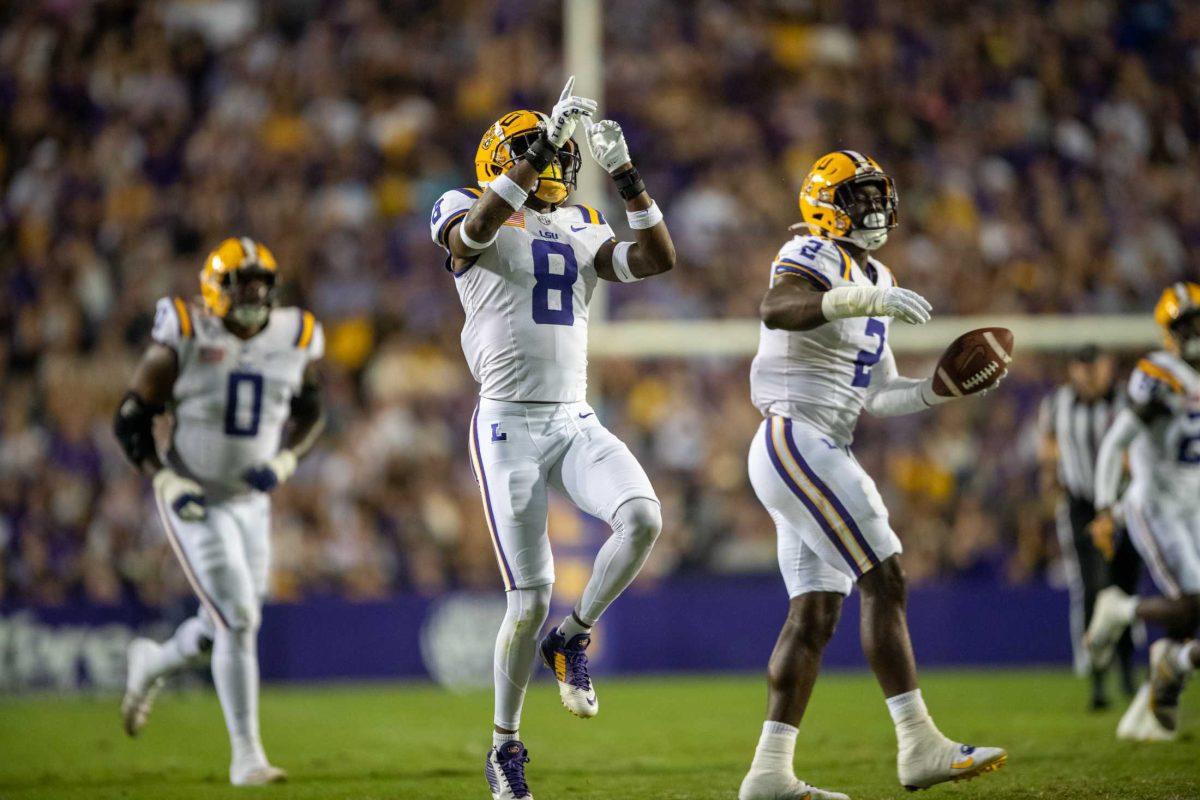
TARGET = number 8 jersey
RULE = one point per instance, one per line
(232, 396)
(526, 299)
(821, 376)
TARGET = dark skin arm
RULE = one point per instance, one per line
(487, 215)
(792, 304)
(153, 381)
(308, 421)
(653, 252)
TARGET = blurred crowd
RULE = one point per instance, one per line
(1045, 154)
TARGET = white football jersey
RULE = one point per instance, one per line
(1165, 459)
(820, 376)
(232, 396)
(526, 299)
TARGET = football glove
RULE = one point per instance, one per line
(872, 301)
(566, 113)
(268, 475)
(183, 495)
(607, 143)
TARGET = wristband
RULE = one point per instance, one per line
(471, 243)
(629, 183)
(540, 153)
(509, 191)
(620, 259)
(645, 218)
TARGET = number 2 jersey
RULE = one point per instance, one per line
(820, 376)
(526, 299)
(232, 396)
(1165, 458)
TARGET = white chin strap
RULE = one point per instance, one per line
(249, 316)
(873, 233)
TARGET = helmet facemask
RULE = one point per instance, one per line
(251, 293)
(872, 214)
(559, 178)
(1185, 333)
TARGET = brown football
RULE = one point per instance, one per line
(973, 362)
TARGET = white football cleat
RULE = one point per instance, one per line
(940, 760)
(255, 772)
(782, 786)
(1112, 614)
(569, 661)
(1138, 723)
(140, 688)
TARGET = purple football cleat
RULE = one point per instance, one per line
(570, 664)
(505, 771)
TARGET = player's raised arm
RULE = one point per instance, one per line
(795, 304)
(508, 193)
(652, 252)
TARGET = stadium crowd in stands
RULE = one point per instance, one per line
(1045, 154)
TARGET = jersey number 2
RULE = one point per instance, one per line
(1189, 453)
(243, 404)
(562, 283)
(866, 359)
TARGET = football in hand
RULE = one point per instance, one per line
(973, 362)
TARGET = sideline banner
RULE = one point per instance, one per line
(684, 624)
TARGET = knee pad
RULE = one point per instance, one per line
(528, 608)
(242, 617)
(639, 519)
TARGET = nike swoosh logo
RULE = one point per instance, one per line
(578, 229)
(585, 416)
(966, 762)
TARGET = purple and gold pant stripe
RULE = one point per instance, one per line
(830, 514)
(189, 571)
(1142, 533)
(481, 479)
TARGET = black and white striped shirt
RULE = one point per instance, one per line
(1079, 427)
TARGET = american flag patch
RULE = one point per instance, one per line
(211, 355)
(517, 219)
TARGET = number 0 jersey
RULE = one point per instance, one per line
(232, 396)
(820, 376)
(526, 299)
(1165, 459)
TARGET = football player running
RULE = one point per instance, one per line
(1161, 431)
(232, 372)
(525, 265)
(823, 357)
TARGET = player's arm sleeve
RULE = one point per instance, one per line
(1109, 462)
(818, 261)
(891, 394)
(172, 323)
(450, 209)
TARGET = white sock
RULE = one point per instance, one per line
(911, 718)
(186, 646)
(636, 526)
(572, 626)
(1184, 658)
(776, 748)
(235, 673)
(499, 738)
(516, 648)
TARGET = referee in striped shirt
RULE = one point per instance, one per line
(1073, 421)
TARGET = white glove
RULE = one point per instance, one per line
(183, 495)
(266, 477)
(873, 301)
(607, 143)
(566, 114)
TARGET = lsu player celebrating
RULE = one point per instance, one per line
(232, 372)
(525, 265)
(1161, 431)
(823, 356)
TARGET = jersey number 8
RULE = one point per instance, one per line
(544, 281)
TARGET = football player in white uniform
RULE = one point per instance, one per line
(525, 265)
(1161, 431)
(823, 357)
(231, 371)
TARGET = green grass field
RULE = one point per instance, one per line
(655, 738)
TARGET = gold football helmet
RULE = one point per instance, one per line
(226, 282)
(828, 205)
(1178, 314)
(506, 140)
